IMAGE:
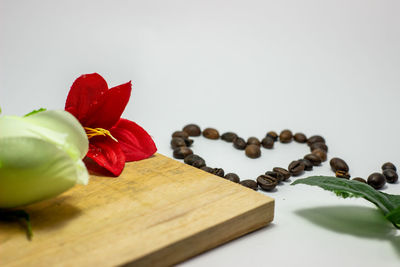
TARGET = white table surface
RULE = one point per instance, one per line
(319, 67)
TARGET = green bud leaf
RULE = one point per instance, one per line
(35, 111)
(12, 215)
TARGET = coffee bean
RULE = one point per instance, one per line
(239, 143)
(188, 141)
(180, 134)
(285, 136)
(253, 141)
(233, 177)
(300, 138)
(250, 184)
(390, 175)
(219, 172)
(199, 163)
(191, 158)
(266, 183)
(192, 130)
(314, 139)
(314, 159)
(296, 168)
(211, 133)
(319, 145)
(388, 165)
(342, 174)
(308, 166)
(182, 152)
(274, 175)
(285, 174)
(268, 142)
(229, 136)
(338, 164)
(253, 151)
(376, 180)
(177, 142)
(273, 135)
(207, 169)
(320, 153)
(360, 180)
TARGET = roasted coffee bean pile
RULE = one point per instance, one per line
(376, 180)
(268, 181)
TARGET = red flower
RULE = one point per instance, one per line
(112, 140)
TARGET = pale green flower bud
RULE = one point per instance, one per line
(40, 156)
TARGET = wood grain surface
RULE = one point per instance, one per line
(157, 213)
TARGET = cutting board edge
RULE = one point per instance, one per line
(167, 256)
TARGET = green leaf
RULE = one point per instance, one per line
(388, 204)
(394, 217)
(35, 111)
(12, 215)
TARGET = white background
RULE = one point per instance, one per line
(319, 67)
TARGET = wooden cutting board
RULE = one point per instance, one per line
(158, 212)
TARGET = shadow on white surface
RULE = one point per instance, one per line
(358, 221)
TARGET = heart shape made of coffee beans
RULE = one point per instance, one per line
(268, 181)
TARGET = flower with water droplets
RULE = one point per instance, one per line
(112, 140)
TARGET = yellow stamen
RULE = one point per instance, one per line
(92, 132)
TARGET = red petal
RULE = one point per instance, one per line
(110, 107)
(84, 95)
(107, 154)
(135, 142)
